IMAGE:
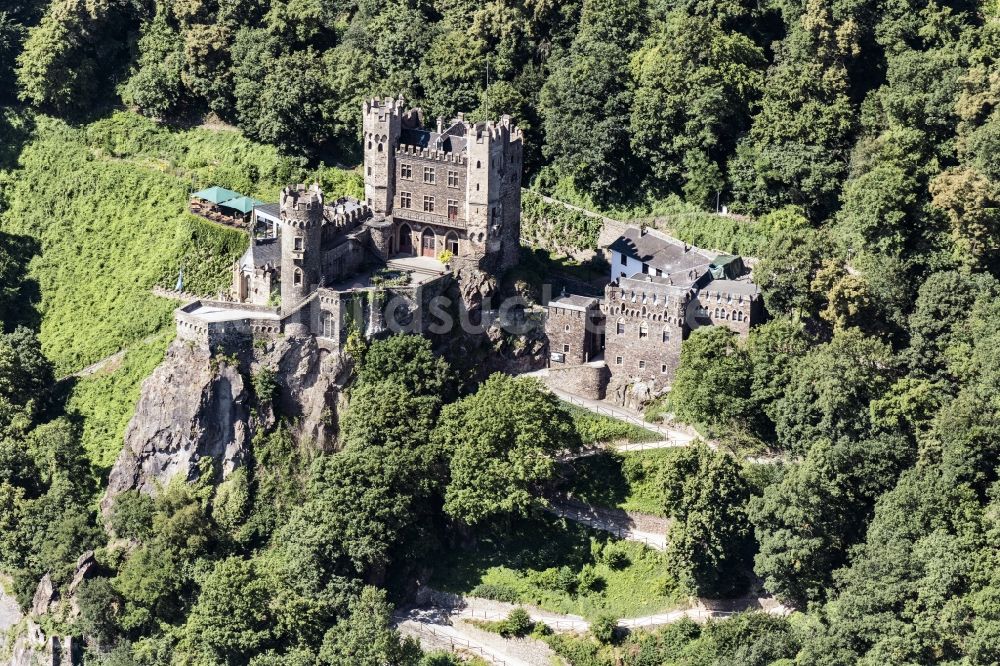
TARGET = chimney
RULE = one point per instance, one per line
(440, 124)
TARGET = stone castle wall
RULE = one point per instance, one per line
(588, 381)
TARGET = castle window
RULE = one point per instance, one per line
(380, 147)
(739, 316)
(429, 175)
(479, 165)
(428, 204)
(369, 171)
(566, 328)
(666, 335)
(624, 260)
(452, 209)
(297, 277)
(298, 243)
(451, 243)
(618, 360)
(406, 171)
(452, 178)
(663, 368)
(405, 200)
(643, 330)
(620, 328)
(565, 349)
(642, 365)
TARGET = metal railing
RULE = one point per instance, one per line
(454, 641)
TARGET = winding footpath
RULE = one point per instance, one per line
(442, 621)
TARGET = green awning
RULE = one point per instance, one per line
(216, 195)
(242, 204)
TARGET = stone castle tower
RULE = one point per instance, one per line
(301, 235)
(382, 126)
(494, 189)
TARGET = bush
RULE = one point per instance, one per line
(588, 580)
(503, 593)
(615, 555)
(604, 628)
(265, 384)
(518, 623)
(132, 516)
(561, 580)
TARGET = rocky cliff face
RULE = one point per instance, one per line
(196, 405)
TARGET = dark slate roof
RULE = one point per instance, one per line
(662, 252)
(272, 210)
(574, 302)
(742, 287)
(432, 140)
(262, 252)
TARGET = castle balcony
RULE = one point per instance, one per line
(420, 217)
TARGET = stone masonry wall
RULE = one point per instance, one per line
(589, 381)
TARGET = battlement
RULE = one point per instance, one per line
(301, 205)
(381, 108)
(431, 154)
(501, 130)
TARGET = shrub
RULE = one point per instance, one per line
(615, 555)
(503, 593)
(132, 515)
(265, 384)
(518, 623)
(588, 580)
(604, 628)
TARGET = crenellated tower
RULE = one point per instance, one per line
(301, 237)
(383, 122)
(493, 190)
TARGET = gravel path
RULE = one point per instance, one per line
(442, 629)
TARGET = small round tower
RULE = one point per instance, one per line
(301, 233)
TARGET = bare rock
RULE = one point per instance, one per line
(45, 594)
(308, 378)
(192, 406)
(30, 647)
(86, 567)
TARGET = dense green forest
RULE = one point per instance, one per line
(860, 138)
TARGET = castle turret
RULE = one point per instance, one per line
(493, 190)
(301, 234)
(382, 127)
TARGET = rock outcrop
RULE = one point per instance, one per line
(197, 405)
(192, 406)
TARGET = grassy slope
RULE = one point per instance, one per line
(516, 558)
(601, 429)
(107, 204)
(105, 401)
(628, 481)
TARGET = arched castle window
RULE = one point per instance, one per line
(479, 165)
(380, 147)
(326, 324)
(297, 277)
(643, 330)
(739, 316)
(451, 242)
(716, 313)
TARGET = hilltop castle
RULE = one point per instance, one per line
(435, 200)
